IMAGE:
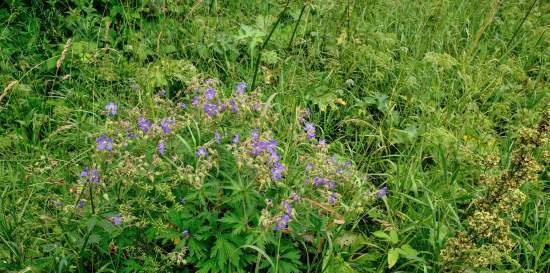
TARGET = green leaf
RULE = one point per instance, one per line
(393, 237)
(407, 250)
(393, 256)
(382, 235)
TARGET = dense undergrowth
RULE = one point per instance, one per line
(274, 136)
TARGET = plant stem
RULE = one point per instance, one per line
(297, 23)
(91, 198)
(265, 43)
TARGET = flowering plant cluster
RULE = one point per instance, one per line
(487, 240)
(205, 181)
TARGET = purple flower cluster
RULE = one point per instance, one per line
(381, 193)
(161, 147)
(210, 94)
(210, 109)
(332, 198)
(236, 139)
(240, 88)
(144, 124)
(310, 130)
(195, 101)
(201, 152)
(270, 148)
(217, 137)
(80, 204)
(111, 108)
(320, 181)
(104, 143)
(90, 175)
(282, 222)
(233, 106)
(166, 124)
(116, 220)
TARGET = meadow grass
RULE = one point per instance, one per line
(427, 98)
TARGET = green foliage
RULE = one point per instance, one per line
(422, 97)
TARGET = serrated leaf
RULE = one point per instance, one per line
(393, 256)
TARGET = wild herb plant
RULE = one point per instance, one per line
(427, 100)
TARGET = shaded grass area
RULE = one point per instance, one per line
(417, 93)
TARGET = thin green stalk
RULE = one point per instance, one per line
(297, 23)
(521, 23)
(265, 43)
(91, 198)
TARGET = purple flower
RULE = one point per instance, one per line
(116, 220)
(233, 106)
(309, 166)
(322, 142)
(94, 176)
(144, 124)
(332, 198)
(218, 137)
(201, 152)
(195, 101)
(163, 93)
(288, 208)
(183, 105)
(160, 147)
(210, 94)
(320, 181)
(166, 125)
(80, 203)
(347, 164)
(294, 197)
(185, 233)
(222, 107)
(310, 130)
(282, 222)
(382, 192)
(104, 143)
(240, 88)
(236, 139)
(111, 108)
(255, 135)
(84, 173)
(130, 135)
(210, 109)
(277, 171)
(90, 175)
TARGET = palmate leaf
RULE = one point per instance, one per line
(236, 223)
(223, 251)
(197, 249)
